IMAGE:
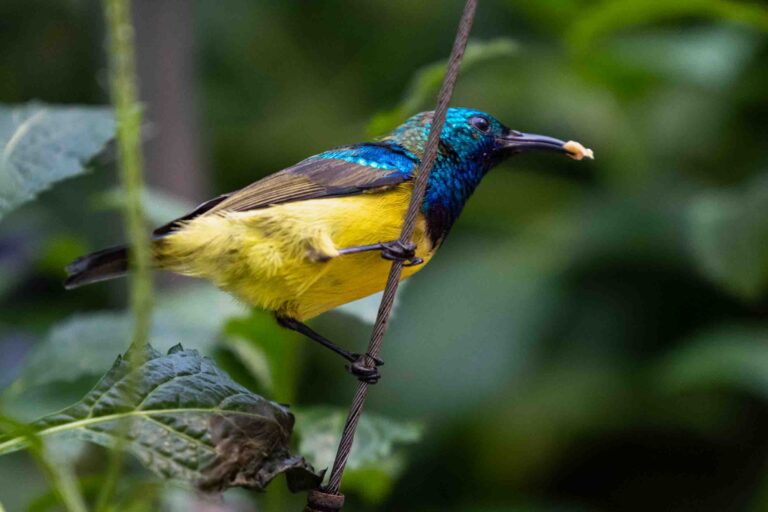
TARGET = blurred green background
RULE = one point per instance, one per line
(592, 336)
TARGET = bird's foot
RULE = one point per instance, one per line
(402, 252)
(367, 374)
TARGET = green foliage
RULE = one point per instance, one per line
(124, 84)
(374, 462)
(184, 419)
(269, 352)
(85, 344)
(59, 473)
(710, 57)
(158, 206)
(378, 436)
(729, 357)
(602, 20)
(600, 319)
(729, 238)
(422, 90)
(43, 144)
(58, 252)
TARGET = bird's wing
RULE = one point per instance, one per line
(344, 171)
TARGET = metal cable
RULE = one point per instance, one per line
(387, 301)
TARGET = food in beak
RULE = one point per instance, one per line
(577, 151)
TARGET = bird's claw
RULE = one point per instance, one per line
(367, 374)
(402, 252)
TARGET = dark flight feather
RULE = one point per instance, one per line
(98, 266)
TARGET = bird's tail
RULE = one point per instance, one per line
(99, 266)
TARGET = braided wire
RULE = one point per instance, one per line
(393, 280)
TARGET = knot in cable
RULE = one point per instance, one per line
(321, 501)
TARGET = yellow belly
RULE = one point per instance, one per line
(284, 258)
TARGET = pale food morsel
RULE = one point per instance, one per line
(577, 151)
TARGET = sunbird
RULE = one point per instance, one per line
(318, 234)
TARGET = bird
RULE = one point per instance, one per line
(323, 232)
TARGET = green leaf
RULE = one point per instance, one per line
(729, 238)
(376, 437)
(424, 86)
(58, 470)
(41, 145)
(374, 462)
(711, 57)
(595, 22)
(183, 418)
(731, 356)
(268, 351)
(58, 251)
(374, 482)
(84, 345)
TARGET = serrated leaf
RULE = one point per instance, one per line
(183, 418)
(84, 345)
(426, 82)
(41, 145)
(374, 462)
(729, 237)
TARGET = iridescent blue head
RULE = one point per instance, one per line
(471, 143)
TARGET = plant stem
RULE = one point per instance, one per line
(128, 114)
(62, 479)
(123, 88)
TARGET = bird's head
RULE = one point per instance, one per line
(471, 143)
(472, 136)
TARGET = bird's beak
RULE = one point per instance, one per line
(515, 142)
(518, 142)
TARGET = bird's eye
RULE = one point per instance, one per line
(480, 123)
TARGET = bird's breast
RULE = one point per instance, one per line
(284, 258)
(354, 221)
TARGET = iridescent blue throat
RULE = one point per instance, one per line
(465, 155)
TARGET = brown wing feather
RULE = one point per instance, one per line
(310, 179)
(313, 178)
